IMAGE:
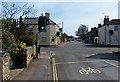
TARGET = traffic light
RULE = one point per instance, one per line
(111, 32)
(58, 33)
(42, 24)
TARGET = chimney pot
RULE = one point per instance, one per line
(47, 15)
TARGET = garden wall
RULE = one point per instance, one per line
(30, 53)
(5, 68)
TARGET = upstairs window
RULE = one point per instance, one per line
(115, 28)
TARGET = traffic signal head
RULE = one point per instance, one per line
(42, 24)
(111, 32)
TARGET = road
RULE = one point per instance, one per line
(82, 61)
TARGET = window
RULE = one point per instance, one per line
(52, 39)
(115, 28)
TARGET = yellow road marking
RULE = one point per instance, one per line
(54, 68)
(53, 62)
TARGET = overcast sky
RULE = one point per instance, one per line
(75, 13)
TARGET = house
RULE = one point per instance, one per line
(52, 34)
(109, 32)
(93, 35)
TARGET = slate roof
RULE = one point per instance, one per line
(114, 22)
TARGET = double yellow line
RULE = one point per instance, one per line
(55, 75)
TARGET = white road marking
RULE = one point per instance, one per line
(78, 62)
(89, 70)
(112, 64)
(89, 61)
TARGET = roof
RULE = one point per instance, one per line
(114, 22)
(50, 21)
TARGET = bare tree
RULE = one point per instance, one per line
(9, 11)
(28, 10)
(12, 10)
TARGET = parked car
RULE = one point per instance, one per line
(69, 40)
(79, 40)
(72, 39)
(86, 41)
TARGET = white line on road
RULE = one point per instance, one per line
(89, 61)
(112, 64)
(78, 62)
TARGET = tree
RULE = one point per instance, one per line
(11, 11)
(8, 41)
(82, 31)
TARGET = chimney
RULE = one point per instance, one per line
(47, 15)
(99, 25)
(107, 20)
(104, 20)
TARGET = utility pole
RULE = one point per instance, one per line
(62, 26)
(119, 38)
(37, 44)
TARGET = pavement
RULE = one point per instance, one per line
(39, 69)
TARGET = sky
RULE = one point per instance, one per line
(75, 13)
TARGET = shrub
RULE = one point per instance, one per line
(8, 40)
(30, 40)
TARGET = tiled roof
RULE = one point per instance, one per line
(114, 22)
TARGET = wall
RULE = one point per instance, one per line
(30, 52)
(45, 37)
(101, 35)
(110, 40)
(53, 32)
(113, 39)
(5, 68)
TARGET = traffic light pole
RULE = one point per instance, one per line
(37, 44)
